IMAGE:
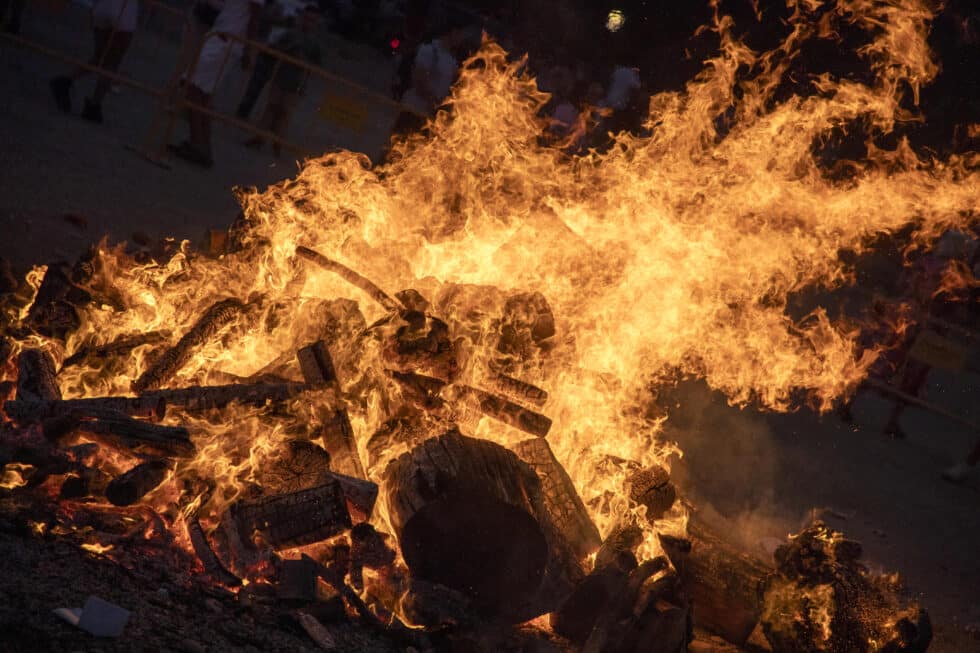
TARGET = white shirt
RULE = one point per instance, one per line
(438, 65)
(233, 18)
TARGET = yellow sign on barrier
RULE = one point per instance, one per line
(935, 350)
(344, 111)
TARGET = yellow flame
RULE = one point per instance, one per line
(13, 475)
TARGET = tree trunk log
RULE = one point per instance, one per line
(468, 515)
(561, 500)
(152, 408)
(338, 439)
(204, 330)
(131, 486)
(36, 376)
(506, 411)
(197, 398)
(297, 518)
(725, 585)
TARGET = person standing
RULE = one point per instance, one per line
(113, 25)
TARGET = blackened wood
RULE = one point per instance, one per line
(521, 390)
(651, 488)
(206, 555)
(296, 518)
(506, 411)
(316, 364)
(335, 580)
(84, 482)
(118, 347)
(204, 330)
(578, 614)
(298, 465)
(121, 430)
(563, 504)
(6, 349)
(129, 487)
(317, 631)
(724, 584)
(152, 408)
(608, 630)
(337, 436)
(352, 277)
(36, 379)
(53, 312)
(361, 495)
(197, 398)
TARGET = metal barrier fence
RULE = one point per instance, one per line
(341, 102)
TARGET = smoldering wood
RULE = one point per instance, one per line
(562, 501)
(350, 596)
(352, 277)
(119, 347)
(124, 431)
(724, 584)
(151, 408)
(84, 482)
(316, 364)
(577, 615)
(506, 411)
(464, 512)
(212, 565)
(199, 398)
(521, 390)
(36, 377)
(299, 465)
(651, 488)
(295, 518)
(369, 548)
(53, 312)
(619, 545)
(608, 629)
(361, 495)
(217, 317)
(337, 436)
(131, 486)
(317, 631)
(423, 391)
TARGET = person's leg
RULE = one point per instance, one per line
(116, 48)
(913, 378)
(61, 85)
(199, 124)
(261, 74)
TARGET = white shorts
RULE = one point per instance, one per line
(119, 15)
(218, 58)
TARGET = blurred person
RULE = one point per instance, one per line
(237, 18)
(274, 20)
(301, 42)
(113, 24)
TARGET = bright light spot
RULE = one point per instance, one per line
(13, 475)
(615, 20)
(96, 548)
(395, 43)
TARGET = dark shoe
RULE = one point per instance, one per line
(61, 90)
(92, 111)
(191, 154)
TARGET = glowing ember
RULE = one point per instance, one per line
(13, 475)
(97, 549)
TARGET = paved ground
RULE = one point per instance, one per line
(766, 473)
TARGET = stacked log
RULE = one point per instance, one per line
(36, 377)
(295, 518)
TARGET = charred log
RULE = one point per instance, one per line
(351, 277)
(133, 485)
(338, 439)
(300, 465)
(297, 518)
(316, 364)
(198, 398)
(579, 613)
(212, 565)
(204, 330)
(506, 411)
(53, 312)
(36, 379)
(122, 431)
(152, 408)
(651, 488)
(521, 390)
(118, 347)
(361, 496)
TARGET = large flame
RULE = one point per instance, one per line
(672, 253)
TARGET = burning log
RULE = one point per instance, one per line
(725, 585)
(118, 347)
(212, 565)
(338, 439)
(36, 376)
(578, 614)
(466, 513)
(506, 411)
(204, 330)
(368, 549)
(316, 364)
(198, 398)
(300, 465)
(152, 408)
(561, 500)
(651, 488)
(53, 311)
(351, 277)
(120, 430)
(296, 518)
(349, 595)
(84, 482)
(130, 487)
(361, 496)
(517, 388)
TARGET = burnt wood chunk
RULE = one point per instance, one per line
(521, 390)
(152, 408)
(465, 514)
(297, 518)
(36, 376)
(506, 411)
(198, 398)
(123, 431)
(316, 364)
(337, 436)
(360, 494)
(724, 584)
(562, 502)
(133, 485)
(53, 311)
(651, 488)
(118, 347)
(212, 565)
(299, 465)
(216, 318)
(577, 616)
(351, 277)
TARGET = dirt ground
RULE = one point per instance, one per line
(764, 474)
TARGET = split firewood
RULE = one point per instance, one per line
(561, 500)
(316, 364)
(619, 545)
(368, 549)
(336, 581)
(299, 465)
(36, 376)
(351, 277)
(151, 408)
(296, 518)
(121, 430)
(608, 630)
(133, 485)
(118, 347)
(338, 439)
(197, 398)
(453, 501)
(577, 615)
(6, 349)
(436, 605)
(505, 411)
(521, 390)
(212, 566)
(215, 319)
(723, 583)
(421, 343)
(651, 488)
(360, 494)
(422, 391)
